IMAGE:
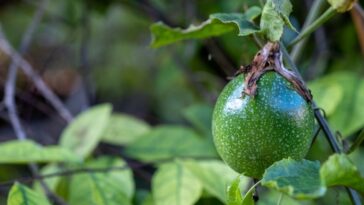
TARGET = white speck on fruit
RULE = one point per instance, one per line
(236, 104)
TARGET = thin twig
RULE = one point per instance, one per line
(85, 66)
(10, 84)
(76, 171)
(37, 80)
(317, 132)
(313, 13)
(280, 199)
(354, 196)
(359, 139)
(9, 96)
(330, 12)
(357, 15)
(359, 9)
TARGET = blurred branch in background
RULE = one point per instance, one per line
(85, 66)
(70, 172)
(9, 97)
(357, 14)
(314, 12)
(321, 53)
(37, 80)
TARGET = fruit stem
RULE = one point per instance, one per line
(257, 69)
(270, 58)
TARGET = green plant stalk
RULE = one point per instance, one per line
(330, 12)
(251, 189)
(357, 142)
(312, 15)
(280, 199)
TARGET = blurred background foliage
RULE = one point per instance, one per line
(89, 52)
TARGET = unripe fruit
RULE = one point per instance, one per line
(251, 133)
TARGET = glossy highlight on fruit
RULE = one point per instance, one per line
(251, 133)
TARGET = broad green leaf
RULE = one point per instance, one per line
(174, 184)
(166, 142)
(110, 187)
(339, 170)
(299, 179)
(342, 5)
(274, 17)
(216, 25)
(348, 114)
(26, 151)
(123, 129)
(215, 176)
(200, 115)
(233, 193)
(22, 195)
(84, 133)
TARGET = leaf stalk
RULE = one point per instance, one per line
(330, 12)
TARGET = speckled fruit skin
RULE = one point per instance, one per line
(251, 133)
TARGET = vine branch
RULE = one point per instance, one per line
(313, 13)
(330, 12)
(9, 96)
(354, 196)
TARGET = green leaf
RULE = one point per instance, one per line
(26, 151)
(347, 117)
(275, 16)
(22, 195)
(123, 129)
(110, 187)
(299, 179)
(167, 142)
(339, 170)
(174, 184)
(84, 133)
(216, 25)
(233, 193)
(215, 176)
(342, 5)
(200, 115)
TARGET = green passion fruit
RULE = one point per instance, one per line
(252, 132)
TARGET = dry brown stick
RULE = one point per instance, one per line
(9, 96)
(357, 14)
(267, 59)
(258, 68)
(36, 79)
(291, 76)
